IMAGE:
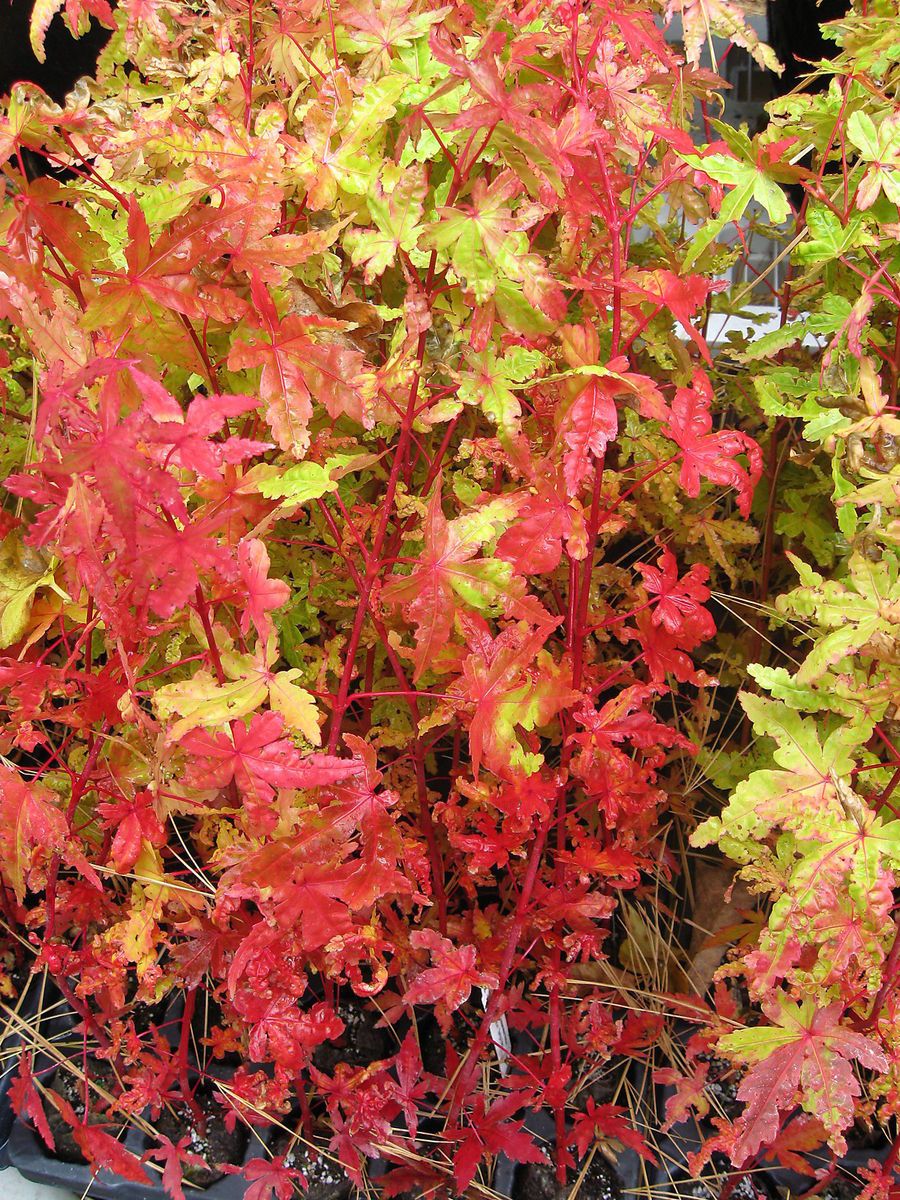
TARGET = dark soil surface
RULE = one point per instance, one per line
(210, 1139)
(604, 1086)
(722, 1085)
(19, 977)
(433, 1042)
(537, 1181)
(361, 1043)
(861, 1136)
(72, 1089)
(144, 1015)
(842, 1187)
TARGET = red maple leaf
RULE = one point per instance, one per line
(104, 446)
(588, 427)
(202, 950)
(282, 1032)
(101, 1149)
(489, 1132)
(109, 502)
(664, 652)
(708, 455)
(796, 1140)
(446, 566)
(678, 598)
(640, 1030)
(602, 1121)
(26, 1100)
(411, 1086)
(172, 1155)
(104, 1152)
(310, 898)
(682, 295)
(360, 806)
(450, 981)
(64, 227)
(295, 368)
(261, 594)
(421, 1179)
(626, 718)
(162, 568)
(507, 686)
(270, 1179)
(75, 12)
(133, 819)
(254, 213)
(534, 543)
(282, 383)
(337, 375)
(161, 275)
(185, 439)
(32, 829)
(259, 759)
(512, 106)
(688, 1092)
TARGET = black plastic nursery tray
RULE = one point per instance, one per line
(36, 995)
(31, 1159)
(28, 1155)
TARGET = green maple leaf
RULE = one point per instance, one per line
(343, 142)
(879, 145)
(781, 685)
(801, 796)
(396, 204)
(22, 575)
(295, 704)
(830, 239)
(857, 612)
(203, 702)
(477, 240)
(802, 833)
(748, 183)
(490, 381)
(808, 517)
(302, 482)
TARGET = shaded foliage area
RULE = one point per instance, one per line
(66, 58)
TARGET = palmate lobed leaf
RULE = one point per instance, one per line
(807, 1055)
(447, 575)
(34, 829)
(259, 759)
(202, 702)
(510, 683)
(804, 796)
